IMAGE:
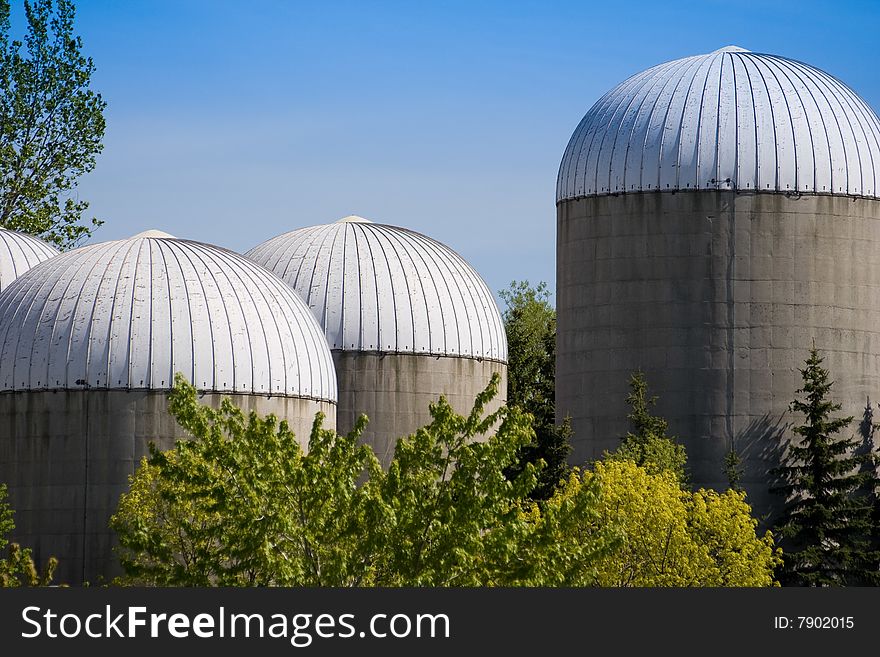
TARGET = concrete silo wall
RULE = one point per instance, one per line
(394, 391)
(717, 297)
(66, 457)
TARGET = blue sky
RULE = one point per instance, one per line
(230, 122)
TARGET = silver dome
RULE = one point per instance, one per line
(128, 314)
(375, 287)
(18, 253)
(731, 119)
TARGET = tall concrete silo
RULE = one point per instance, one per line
(406, 318)
(89, 344)
(715, 215)
(18, 253)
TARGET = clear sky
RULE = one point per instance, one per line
(231, 121)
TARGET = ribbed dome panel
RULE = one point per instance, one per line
(731, 119)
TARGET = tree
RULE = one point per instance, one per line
(647, 443)
(18, 568)
(461, 520)
(828, 520)
(669, 536)
(530, 324)
(733, 469)
(51, 124)
(870, 452)
(242, 504)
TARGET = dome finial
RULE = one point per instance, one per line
(157, 234)
(353, 219)
(731, 49)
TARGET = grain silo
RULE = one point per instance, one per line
(406, 318)
(715, 215)
(89, 344)
(18, 253)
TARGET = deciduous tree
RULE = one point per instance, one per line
(673, 537)
(51, 124)
(242, 504)
(530, 323)
(17, 568)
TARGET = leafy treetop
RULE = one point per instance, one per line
(51, 124)
(243, 504)
(17, 568)
(530, 324)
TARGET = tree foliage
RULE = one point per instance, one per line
(51, 124)
(458, 520)
(242, 504)
(647, 443)
(733, 469)
(829, 521)
(674, 537)
(530, 324)
(17, 568)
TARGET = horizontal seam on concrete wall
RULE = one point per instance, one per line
(433, 354)
(739, 192)
(228, 393)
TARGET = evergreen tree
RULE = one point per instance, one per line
(733, 470)
(870, 451)
(647, 443)
(829, 520)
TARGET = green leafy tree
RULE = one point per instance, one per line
(647, 443)
(51, 124)
(669, 536)
(828, 521)
(17, 568)
(242, 504)
(460, 520)
(530, 323)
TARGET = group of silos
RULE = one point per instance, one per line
(346, 318)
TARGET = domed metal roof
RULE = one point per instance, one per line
(731, 119)
(128, 314)
(375, 287)
(20, 252)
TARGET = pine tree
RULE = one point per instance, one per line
(828, 522)
(647, 443)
